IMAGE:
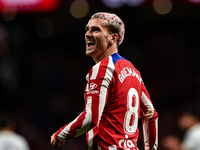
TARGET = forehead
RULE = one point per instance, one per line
(97, 22)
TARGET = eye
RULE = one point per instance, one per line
(92, 29)
(95, 29)
(86, 29)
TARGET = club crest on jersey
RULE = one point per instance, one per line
(93, 86)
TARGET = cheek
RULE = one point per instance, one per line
(102, 41)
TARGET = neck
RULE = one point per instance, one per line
(6, 129)
(106, 53)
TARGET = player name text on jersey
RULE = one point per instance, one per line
(125, 72)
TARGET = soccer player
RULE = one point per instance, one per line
(115, 95)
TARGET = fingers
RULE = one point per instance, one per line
(63, 142)
(53, 140)
(55, 143)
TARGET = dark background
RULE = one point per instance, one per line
(42, 79)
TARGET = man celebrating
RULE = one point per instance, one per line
(115, 95)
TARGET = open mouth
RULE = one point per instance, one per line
(90, 44)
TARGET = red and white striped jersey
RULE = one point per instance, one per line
(115, 98)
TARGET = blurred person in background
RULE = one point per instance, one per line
(190, 123)
(9, 139)
(171, 142)
(115, 94)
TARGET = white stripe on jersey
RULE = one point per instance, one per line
(104, 87)
(99, 148)
(89, 109)
(156, 142)
(102, 101)
(146, 134)
(88, 118)
(148, 104)
(112, 147)
(95, 71)
(149, 114)
(90, 139)
(62, 135)
(89, 112)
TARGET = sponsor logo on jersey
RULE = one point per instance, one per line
(125, 72)
(93, 86)
(91, 89)
(126, 143)
(93, 92)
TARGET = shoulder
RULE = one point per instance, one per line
(101, 69)
(116, 57)
(194, 131)
(12, 136)
(121, 62)
(19, 137)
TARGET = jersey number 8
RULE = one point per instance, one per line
(131, 116)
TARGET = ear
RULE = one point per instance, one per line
(114, 37)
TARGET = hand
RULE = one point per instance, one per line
(55, 142)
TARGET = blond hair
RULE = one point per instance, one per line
(115, 24)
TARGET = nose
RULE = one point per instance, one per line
(88, 34)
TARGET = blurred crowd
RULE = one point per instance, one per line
(42, 79)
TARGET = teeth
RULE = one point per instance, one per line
(90, 42)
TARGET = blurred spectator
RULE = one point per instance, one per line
(9, 140)
(190, 122)
(171, 142)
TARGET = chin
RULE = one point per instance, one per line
(90, 53)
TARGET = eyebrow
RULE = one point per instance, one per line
(92, 27)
